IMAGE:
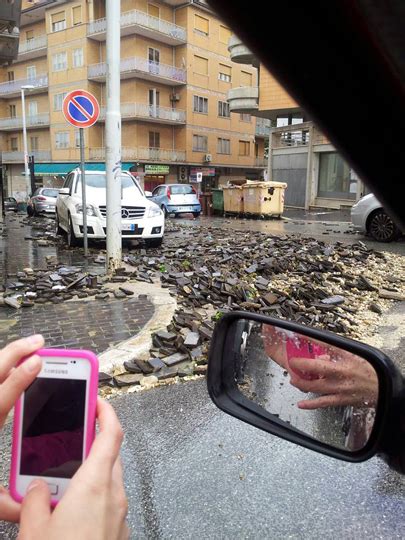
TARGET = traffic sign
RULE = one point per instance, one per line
(81, 109)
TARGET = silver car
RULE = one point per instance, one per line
(369, 217)
(43, 201)
(177, 199)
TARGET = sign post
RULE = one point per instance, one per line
(81, 110)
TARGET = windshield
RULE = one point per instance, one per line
(182, 190)
(50, 193)
(99, 181)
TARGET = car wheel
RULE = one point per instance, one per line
(154, 243)
(164, 210)
(71, 237)
(382, 228)
(196, 214)
(58, 228)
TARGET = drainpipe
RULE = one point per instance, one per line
(309, 179)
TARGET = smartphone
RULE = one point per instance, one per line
(54, 422)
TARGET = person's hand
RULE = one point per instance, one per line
(13, 381)
(350, 380)
(94, 505)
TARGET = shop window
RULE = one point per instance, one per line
(224, 146)
(244, 148)
(223, 109)
(200, 105)
(334, 177)
(200, 65)
(77, 15)
(200, 143)
(201, 25)
(58, 21)
(225, 73)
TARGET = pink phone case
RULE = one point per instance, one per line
(91, 412)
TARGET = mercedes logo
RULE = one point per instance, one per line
(124, 213)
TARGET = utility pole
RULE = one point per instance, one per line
(113, 136)
(26, 167)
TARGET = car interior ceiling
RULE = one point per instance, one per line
(344, 63)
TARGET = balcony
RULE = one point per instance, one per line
(34, 121)
(240, 54)
(149, 113)
(143, 154)
(142, 68)
(33, 48)
(18, 157)
(244, 100)
(140, 23)
(262, 128)
(13, 88)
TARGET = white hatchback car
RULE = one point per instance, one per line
(369, 217)
(141, 219)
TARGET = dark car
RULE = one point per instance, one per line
(10, 204)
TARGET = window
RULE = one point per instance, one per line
(59, 61)
(200, 105)
(223, 109)
(154, 10)
(62, 139)
(58, 21)
(14, 144)
(77, 56)
(224, 73)
(154, 100)
(200, 143)
(200, 65)
(335, 180)
(201, 25)
(154, 139)
(77, 138)
(244, 148)
(34, 143)
(58, 101)
(12, 111)
(245, 78)
(224, 34)
(77, 15)
(32, 108)
(10, 76)
(244, 117)
(31, 72)
(29, 34)
(224, 146)
(154, 55)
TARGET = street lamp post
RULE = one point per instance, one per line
(26, 167)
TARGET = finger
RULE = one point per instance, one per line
(334, 400)
(121, 504)
(35, 510)
(316, 386)
(322, 367)
(16, 351)
(9, 509)
(15, 384)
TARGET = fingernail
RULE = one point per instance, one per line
(34, 484)
(35, 339)
(33, 363)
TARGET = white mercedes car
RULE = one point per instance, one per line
(141, 219)
(369, 217)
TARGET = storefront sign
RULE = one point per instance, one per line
(196, 178)
(157, 169)
(206, 171)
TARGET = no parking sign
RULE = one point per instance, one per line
(81, 109)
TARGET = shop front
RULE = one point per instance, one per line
(155, 175)
(204, 178)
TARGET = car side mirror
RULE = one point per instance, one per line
(311, 387)
(64, 191)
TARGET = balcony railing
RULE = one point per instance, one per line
(136, 18)
(297, 135)
(14, 87)
(142, 110)
(18, 157)
(142, 153)
(135, 65)
(32, 45)
(261, 162)
(36, 120)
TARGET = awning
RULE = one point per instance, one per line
(62, 169)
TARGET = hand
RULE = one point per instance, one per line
(349, 380)
(13, 381)
(94, 505)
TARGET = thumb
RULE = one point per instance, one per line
(35, 511)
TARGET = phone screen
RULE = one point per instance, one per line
(53, 427)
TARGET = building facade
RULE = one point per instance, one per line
(299, 153)
(176, 71)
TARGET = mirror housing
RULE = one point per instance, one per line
(64, 191)
(387, 435)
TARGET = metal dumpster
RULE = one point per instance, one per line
(218, 201)
(233, 199)
(264, 198)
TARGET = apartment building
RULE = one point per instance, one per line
(176, 71)
(299, 153)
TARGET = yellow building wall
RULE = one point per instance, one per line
(272, 95)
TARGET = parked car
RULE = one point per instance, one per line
(369, 217)
(10, 204)
(141, 218)
(43, 201)
(177, 199)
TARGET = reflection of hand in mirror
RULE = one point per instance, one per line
(349, 380)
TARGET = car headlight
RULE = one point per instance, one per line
(90, 210)
(154, 211)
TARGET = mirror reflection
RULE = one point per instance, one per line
(325, 392)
